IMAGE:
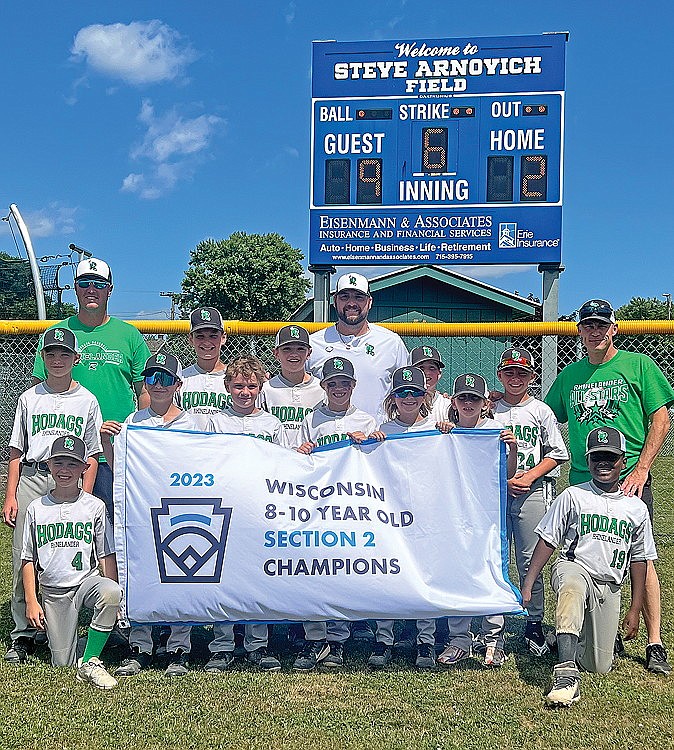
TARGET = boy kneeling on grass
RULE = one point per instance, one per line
(65, 537)
(602, 533)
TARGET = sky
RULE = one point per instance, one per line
(137, 129)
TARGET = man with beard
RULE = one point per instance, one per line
(374, 351)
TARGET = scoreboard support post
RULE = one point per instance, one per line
(321, 291)
(551, 273)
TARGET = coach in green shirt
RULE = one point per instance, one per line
(113, 355)
(627, 391)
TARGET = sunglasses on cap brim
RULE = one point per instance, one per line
(161, 377)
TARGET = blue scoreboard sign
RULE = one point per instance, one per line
(437, 151)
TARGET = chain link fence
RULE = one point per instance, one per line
(460, 354)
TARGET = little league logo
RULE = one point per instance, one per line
(69, 444)
(294, 332)
(507, 234)
(407, 375)
(58, 335)
(338, 364)
(92, 265)
(470, 381)
(369, 349)
(602, 437)
(190, 535)
(428, 352)
(205, 315)
(352, 280)
(161, 359)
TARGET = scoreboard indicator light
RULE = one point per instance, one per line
(437, 151)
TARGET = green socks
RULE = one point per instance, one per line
(96, 640)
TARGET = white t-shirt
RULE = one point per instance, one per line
(602, 531)
(375, 356)
(203, 393)
(324, 426)
(43, 415)
(261, 424)
(290, 403)
(396, 427)
(66, 539)
(440, 408)
(149, 418)
(535, 427)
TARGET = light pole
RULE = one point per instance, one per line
(668, 297)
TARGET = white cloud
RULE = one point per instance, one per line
(173, 146)
(140, 52)
(290, 12)
(52, 220)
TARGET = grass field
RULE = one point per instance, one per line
(467, 707)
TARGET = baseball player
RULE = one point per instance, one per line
(65, 536)
(540, 449)
(294, 393)
(469, 400)
(53, 408)
(603, 533)
(408, 407)
(203, 391)
(244, 378)
(162, 377)
(331, 422)
(427, 358)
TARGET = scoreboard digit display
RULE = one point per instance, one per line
(445, 151)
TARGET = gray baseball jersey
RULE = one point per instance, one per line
(66, 539)
(324, 426)
(149, 418)
(291, 403)
(601, 531)
(43, 415)
(203, 393)
(535, 427)
(261, 424)
(396, 427)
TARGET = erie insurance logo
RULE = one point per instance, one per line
(190, 535)
(507, 234)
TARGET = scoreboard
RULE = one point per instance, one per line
(444, 151)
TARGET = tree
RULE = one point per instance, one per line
(246, 277)
(659, 347)
(17, 295)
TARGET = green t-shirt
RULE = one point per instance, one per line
(113, 357)
(620, 393)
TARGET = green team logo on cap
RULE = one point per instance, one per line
(407, 375)
(92, 265)
(338, 364)
(427, 351)
(161, 359)
(205, 315)
(58, 334)
(69, 444)
(516, 354)
(602, 436)
(294, 332)
(470, 380)
(369, 349)
(352, 280)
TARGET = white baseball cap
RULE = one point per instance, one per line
(353, 281)
(93, 268)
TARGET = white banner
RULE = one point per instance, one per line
(213, 527)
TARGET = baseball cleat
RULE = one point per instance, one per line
(262, 659)
(425, 656)
(336, 656)
(565, 690)
(95, 674)
(452, 655)
(313, 653)
(535, 639)
(656, 659)
(381, 656)
(18, 652)
(178, 663)
(220, 661)
(134, 664)
(494, 656)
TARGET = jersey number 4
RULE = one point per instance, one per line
(76, 562)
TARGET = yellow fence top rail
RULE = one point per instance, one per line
(269, 328)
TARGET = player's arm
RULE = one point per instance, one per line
(10, 507)
(542, 553)
(109, 567)
(142, 396)
(521, 483)
(89, 476)
(638, 584)
(109, 429)
(634, 482)
(510, 440)
(34, 612)
(306, 448)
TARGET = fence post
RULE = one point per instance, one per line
(322, 292)
(551, 273)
